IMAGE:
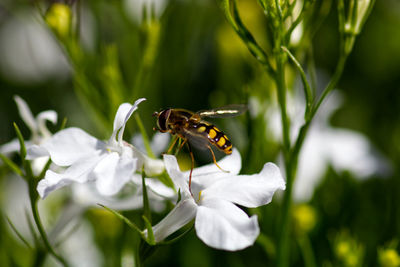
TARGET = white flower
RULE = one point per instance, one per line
(218, 221)
(324, 145)
(28, 51)
(110, 165)
(39, 131)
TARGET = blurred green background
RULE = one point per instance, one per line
(200, 63)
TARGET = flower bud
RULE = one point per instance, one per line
(59, 18)
(389, 258)
(305, 218)
(357, 17)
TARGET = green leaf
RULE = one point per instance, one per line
(146, 205)
(20, 236)
(150, 236)
(11, 165)
(25, 163)
(231, 12)
(21, 141)
(306, 85)
(179, 196)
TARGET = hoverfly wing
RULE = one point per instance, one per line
(196, 139)
(224, 112)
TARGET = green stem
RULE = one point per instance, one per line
(307, 251)
(281, 90)
(291, 166)
(33, 195)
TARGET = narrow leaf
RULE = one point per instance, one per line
(150, 235)
(146, 205)
(20, 236)
(124, 219)
(11, 165)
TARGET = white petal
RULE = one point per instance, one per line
(180, 179)
(159, 188)
(10, 147)
(35, 151)
(179, 216)
(159, 142)
(113, 172)
(222, 225)
(26, 114)
(351, 151)
(42, 117)
(71, 145)
(248, 190)
(124, 112)
(209, 174)
(153, 167)
(79, 172)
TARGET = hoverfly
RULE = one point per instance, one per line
(193, 130)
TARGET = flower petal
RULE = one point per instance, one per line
(178, 217)
(35, 151)
(113, 172)
(124, 112)
(160, 189)
(42, 117)
(248, 190)
(179, 178)
(72, 145)
(79, 172)
(10, 147)
(26, 114)
(209, 174)
(222, 225)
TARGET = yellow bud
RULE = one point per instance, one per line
(106, 220)
(389, 258)
(305, 217)
(59, 18)
(343, 249)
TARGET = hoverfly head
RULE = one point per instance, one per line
(162, 119)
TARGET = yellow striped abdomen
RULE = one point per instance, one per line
(215, 136)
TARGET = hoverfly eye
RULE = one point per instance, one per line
(163, 119)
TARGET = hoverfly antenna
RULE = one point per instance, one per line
(155, 114)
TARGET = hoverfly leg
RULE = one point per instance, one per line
(215, 161)
(180, 146)
(191, 169)
(173, 144)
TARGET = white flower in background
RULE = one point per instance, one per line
(158, 143)
(218, 221)
(110, 165)
(78, 244)
(325, 145)
(29, 53)
(39, 131)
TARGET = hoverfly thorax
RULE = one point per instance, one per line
(162, 119)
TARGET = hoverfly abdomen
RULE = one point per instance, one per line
(215, 136)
